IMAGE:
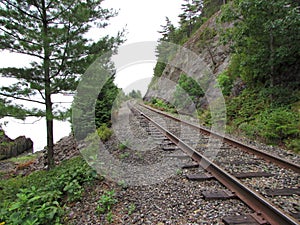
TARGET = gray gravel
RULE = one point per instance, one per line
(172, 199)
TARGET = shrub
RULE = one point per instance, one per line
(279, 124)
(104, 132)
(293, 144)
(225, 83)
(187, 91)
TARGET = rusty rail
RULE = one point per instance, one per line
(250, 149)
(253, 199)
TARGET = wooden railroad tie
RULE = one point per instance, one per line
(208, 176)
(250, 219)
(218, 194)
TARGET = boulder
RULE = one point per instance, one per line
(12, 148)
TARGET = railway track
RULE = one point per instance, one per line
(239, 172)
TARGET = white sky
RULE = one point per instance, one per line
(142, 19)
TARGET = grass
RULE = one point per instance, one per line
(24, 158)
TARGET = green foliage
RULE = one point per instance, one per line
(293, 144)
(191, 14)
(131, 208)
(124, 155)
(33, 206)
(162, 105)
(53, 33)
(25, 158)
(124, 145)
(255, 115)
(279, 124)
(225, 83)
(135, 94)
(159, 69)
(23, 200)
(104, 132)
(187, 91)
(204, 117)
(210, 7)
(105, 204)
(265, 38)
(105, 101)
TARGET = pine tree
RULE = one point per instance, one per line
(52, 31)
(192, 9)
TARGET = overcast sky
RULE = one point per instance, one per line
(142, 20)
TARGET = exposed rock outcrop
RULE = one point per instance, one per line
(11, 148)
(202, 57)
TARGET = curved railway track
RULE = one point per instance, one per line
(266, 211)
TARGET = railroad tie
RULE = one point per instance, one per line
(282, 192)
(218, 195)
(250, 219)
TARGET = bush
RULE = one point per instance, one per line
(225, 83)
(187, 91)
(293, 144)
(104, 132)
(279, 124)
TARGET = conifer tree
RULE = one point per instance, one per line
(54, 33)
(192, 9)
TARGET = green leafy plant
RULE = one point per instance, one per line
(225, 83)
(109, 217)
(104, 132)
(23, 200)
(106, 202)
(124, 155)
(179, 172)
(131, 208)
(279, 124)
(187, 91)
(124, 145)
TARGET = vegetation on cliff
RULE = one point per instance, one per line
(261, 83)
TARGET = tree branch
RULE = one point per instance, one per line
(26, 53)
(17, 37)
(22, 11)
(20, 98)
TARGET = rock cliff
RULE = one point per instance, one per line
(208, 58)
(11, 148)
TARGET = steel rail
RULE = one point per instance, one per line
(250, 149)
(253, 199)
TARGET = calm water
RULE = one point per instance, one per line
(35, 128)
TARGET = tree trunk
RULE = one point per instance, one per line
(48, 101)
(271, 63)
(49, 124)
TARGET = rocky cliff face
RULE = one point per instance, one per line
(11, 148)
(202, 57)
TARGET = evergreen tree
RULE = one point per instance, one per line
(192, 10)
(167, 31)
(53, 32)
(135, 94)
(105, 102)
